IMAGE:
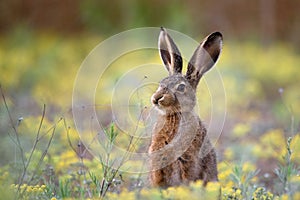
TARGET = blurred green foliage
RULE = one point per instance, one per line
(266, 21)
(112, 16)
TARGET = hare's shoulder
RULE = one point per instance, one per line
(191, 122)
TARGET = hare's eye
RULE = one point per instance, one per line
(181, 87)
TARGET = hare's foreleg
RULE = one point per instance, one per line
(209, 167)
(165, 177)
(189, 166)
(157, 178)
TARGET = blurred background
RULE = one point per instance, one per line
(265, 20)
(43, 43)
(38, 37)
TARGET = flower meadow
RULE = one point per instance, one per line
(237, 181)
(43, 156)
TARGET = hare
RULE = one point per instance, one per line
(180, 150)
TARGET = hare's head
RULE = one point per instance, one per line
(177, 92)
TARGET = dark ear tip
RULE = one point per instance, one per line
(162, 29)
(215, 35)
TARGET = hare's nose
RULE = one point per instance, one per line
(155, 98)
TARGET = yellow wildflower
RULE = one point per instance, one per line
(228, 153)
(231, 193)
(285, 197)
(274, 143)
(295, 178)
(224, 176)
(197, 184)
(247, 167)
(66, 158)
(213, 186)
(145, 193)
(182, 193)
(127, 195)
(258, 151)
(241, 129)
(29, 189)
(24, 186)
(169, 193)
(213, 190)
(112, 196)
(295, 146)
(222, 166)
(296, 195)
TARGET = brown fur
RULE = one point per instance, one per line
(180, 150)
(190, 166)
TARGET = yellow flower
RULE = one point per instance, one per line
(65, 159)
(295, 178)
(257, 150)
(145, 193)
(224, 176)
(295, 146)
(112, 196)
(285, 197)
(182, 193)
(169, 193)
(4, 176)
(241, 129)
(231, 193)
(296, 195)
(24, 186)
(222, 166)
(238, 192)
(269, 194)
(127, 195)
(273, 143)
(213, 186)
(53, 198)
(228, 153)
(29, 189)
(153, 194)
(247, 167)
(226, 190)
(230, 184)
(196, 184)
(213, 190)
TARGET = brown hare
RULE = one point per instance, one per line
(180, 150)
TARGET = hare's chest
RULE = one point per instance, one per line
(163, 134)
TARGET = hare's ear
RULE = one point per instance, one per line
(169, 53)
(205, 56)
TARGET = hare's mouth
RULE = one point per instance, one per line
(156, 101)
(160, 102)
(163, 101)
(159, 105)
(165, 106)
